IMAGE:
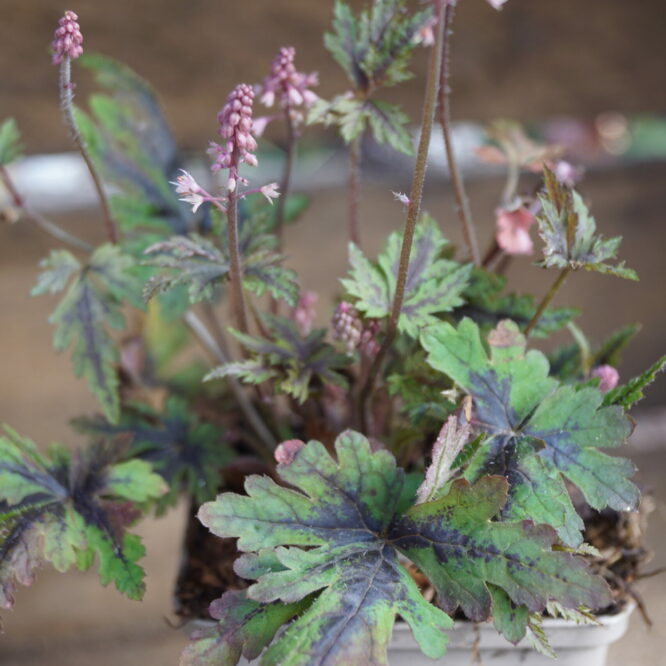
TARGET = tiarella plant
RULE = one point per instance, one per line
(441, 452)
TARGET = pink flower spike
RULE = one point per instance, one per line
(305, 311)
(609, 377)
(513, 227)
(67, 39)
(287, 86)
(285, 454)
(270, 191)
(189, 188)
(235, 126)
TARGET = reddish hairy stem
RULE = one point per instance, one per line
(355, 191)
(235, 271)
(67, 107)
(444, 118)
(413, 212)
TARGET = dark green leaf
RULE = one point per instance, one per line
(186, 452)
(335, 532)
(65, 511)
(536, 429)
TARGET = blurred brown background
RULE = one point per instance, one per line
(534, 61)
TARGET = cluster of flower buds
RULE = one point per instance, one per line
(349, 329)
(305, 312)
(67, 39)
(290, 88)
(235, 127)
(284, 83)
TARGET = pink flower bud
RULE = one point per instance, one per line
(286, 452)
(305, 311)
(513, 227)
(609, 377)
(67, 39)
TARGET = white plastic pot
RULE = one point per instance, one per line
(575, 645)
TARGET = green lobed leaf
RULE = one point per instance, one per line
(10, 142)
(570, 233)
(90, 306)
(434, 285)
(333, 536)
(538, 431)
(66, 511)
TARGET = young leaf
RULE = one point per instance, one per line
(537, 431)
(298, 364)
(434, 285)
(570, 233)
(186, 452)
(336, 534)
(10, 142)
(630, 393)
(389, 125)
(450, 442)
(91, 305)
(62, 510)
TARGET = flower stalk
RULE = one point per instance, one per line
(413, 212)
(559, 282)
(444, 118)
(355, 191)
(67, 108)
(40, 220)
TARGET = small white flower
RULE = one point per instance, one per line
(189, 188)
(402, 198)
(270, 191)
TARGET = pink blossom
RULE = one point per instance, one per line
(285, 454)
(286, 85)
(235, 127)
(67, 39)
(369, 345)
(609, 377)
(305, 311)
(189, 188)
(270, 191)
(513, 227)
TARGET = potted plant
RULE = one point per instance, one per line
(448, 463)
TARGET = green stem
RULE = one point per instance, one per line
(67, 107)
(413, 213)
(561, 279)
(235, 273)
(40, 220)
(254, 419)
(285, 184)
(444, 118)
(355, 191)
